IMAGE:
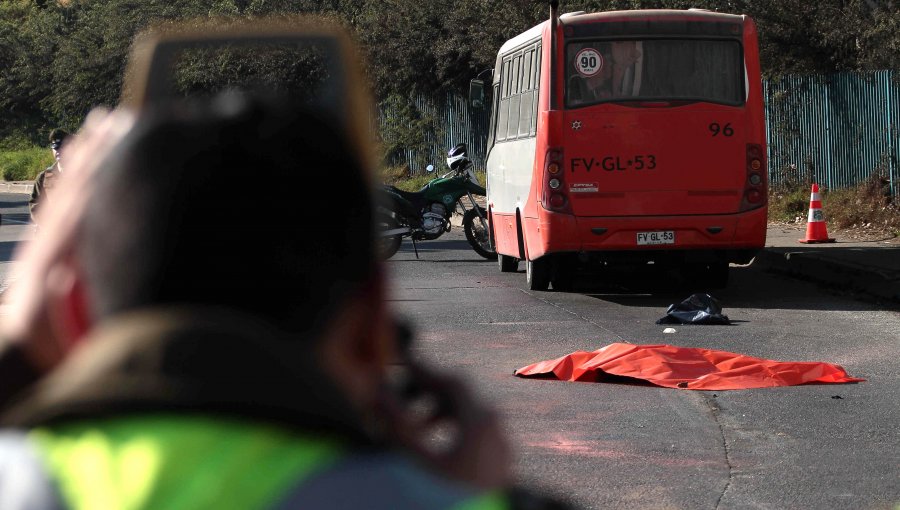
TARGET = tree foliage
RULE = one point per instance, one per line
(60, 58)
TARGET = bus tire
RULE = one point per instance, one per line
(537, 274)
(563, 280)
(507, 264)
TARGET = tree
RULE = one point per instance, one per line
(25, 60)
(58, 60)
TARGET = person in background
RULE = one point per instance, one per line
(166, 347)
(625, 54)
(46, 180)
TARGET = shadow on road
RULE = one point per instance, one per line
(7, 248)
(648, 287)
(748, 287)
(17, 217)
(426, 248)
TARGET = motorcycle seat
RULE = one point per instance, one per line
(412, 196)
(410, 202)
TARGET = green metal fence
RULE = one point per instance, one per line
(836, 130)
(451, 121)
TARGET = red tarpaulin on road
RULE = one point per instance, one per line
(686, 368)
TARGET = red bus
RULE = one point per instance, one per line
(628, 137)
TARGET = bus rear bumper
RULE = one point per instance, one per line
(736, 236)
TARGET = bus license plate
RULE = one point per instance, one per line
(664, 237)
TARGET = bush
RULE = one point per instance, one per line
(865, 208)
(393, 174)
(787, 205)
(417, 182)
(414, 183)
(24, 164)
(868, 206)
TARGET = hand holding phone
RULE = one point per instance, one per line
(438, 418)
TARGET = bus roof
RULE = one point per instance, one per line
(577, 18)
(522, 38)
(651, 14)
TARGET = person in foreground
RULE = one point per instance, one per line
(175, 342)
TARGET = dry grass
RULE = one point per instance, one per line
(399, 177)
(24, 164)
(867, 209)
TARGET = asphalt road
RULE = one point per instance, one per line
(16, 226)
(630, 446)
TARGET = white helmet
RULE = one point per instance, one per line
(457, 157)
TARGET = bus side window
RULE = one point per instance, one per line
(526, 108)
(536, 69)
(495, 109)
(515, 97)
(503, 115)
(505, 77)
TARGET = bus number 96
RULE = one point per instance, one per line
(726, 130)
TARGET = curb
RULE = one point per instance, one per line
(16, 187)
(883, 285)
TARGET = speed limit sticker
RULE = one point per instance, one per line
(588, 62)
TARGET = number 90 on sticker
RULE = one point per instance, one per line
(588, 62)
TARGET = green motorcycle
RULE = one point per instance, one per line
(424, 215)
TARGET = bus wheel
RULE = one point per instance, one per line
(537, 273)
(563, 278)
(507, 264)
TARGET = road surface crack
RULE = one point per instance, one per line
(714, 410)
(578, 315)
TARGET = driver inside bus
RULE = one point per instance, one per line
(624, 56)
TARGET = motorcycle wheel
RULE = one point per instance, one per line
(477, 235)
(386, 246)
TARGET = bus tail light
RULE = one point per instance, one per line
(755, 186)
(555, 197)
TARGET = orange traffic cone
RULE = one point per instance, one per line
(815, 225)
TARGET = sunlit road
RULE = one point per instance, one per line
(628, 446)
(16, 226)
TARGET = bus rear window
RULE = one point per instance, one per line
(654, 70)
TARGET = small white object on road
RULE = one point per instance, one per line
(669, 330)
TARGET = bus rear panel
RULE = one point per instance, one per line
(654, 147)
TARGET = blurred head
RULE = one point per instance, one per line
(261, 209)
(234, 204)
